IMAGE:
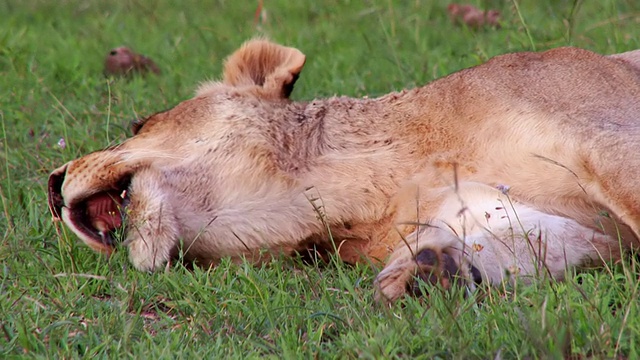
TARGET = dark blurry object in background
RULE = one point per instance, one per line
(121, 61)
(472, 16)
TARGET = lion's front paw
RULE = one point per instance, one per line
(441, 268)
(391, 282)
(431, 266)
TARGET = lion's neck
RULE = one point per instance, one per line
(364, 150)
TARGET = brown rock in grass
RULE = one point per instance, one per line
(472, 16)
(121, 61)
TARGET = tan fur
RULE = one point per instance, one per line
(242, 171)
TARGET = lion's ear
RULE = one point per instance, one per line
(262, 63)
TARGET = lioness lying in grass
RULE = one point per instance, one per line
(523, 165)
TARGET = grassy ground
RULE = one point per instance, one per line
(58, 299)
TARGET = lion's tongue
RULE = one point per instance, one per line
(103, 210)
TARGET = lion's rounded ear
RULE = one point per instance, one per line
(274, 68)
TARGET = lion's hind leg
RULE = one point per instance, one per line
(479, 234)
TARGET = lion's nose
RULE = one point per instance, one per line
(56, 201)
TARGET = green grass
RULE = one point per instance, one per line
(60, 300)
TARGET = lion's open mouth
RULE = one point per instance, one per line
(99, 218)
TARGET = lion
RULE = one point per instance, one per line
(523, 166)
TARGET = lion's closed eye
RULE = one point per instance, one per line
(137, 124)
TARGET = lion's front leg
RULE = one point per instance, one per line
(477, 233)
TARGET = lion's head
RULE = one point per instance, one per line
(164, 184)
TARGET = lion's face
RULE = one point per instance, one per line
(164, 184)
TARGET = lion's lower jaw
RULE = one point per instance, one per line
(153, 230)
